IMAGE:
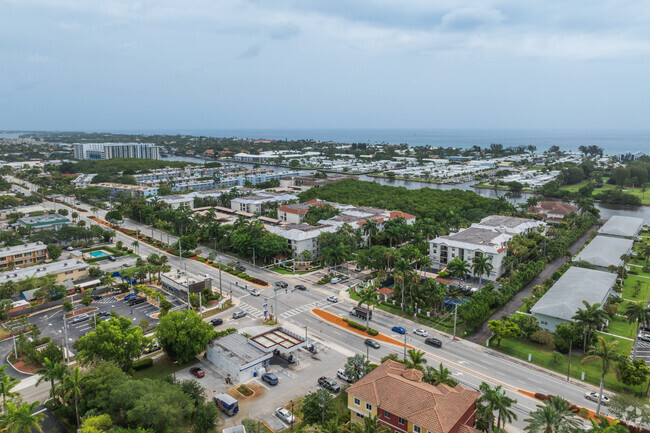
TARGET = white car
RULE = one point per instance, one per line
(593, 396)
(421, 332)
(333, 299)
(341, 375)
(644, 336)
(255, 292)
(285, 415)
(335, 280)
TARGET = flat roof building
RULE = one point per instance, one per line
(65, 270)
(23, 255)
(116, 150)
(509, 224)
(44, 222)
(179, 283)
(135, 190)
(566, 296)
(235, 356)
(622, 226)
(605, 251)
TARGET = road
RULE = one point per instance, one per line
(470, 363)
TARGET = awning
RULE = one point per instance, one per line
(87, 284)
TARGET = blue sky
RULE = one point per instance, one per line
(163, 64)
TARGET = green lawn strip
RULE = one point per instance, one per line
(283, 271)
(421, 320)
(629, 288)
(162, 366)
(620, 326)
(645, 198)
(541, 355)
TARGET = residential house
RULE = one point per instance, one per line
(509, 224)
(401, 401)
(255, 204)
(301, 237)
(622, 226)
(605, 251)
(553, 211)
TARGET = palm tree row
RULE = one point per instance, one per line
(63, 382)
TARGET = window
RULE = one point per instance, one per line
(357, 401)
(358, 415)
(368, 406)
(416, 429)
(386, 414)
(400, 420)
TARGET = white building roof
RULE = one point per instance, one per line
(22, 249)
(623, 226)
(605, 251)
(42, 270)
(474, 238)
(509, 224)
(299, 232)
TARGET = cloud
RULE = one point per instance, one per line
(38, 59)
(469, 18)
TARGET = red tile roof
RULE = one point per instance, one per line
(398, 214)
(400, 390)
(386, 291)
(467, 429)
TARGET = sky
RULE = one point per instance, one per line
(204, 64)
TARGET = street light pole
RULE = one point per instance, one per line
(65, 335)
(404, 345)
(455, 317)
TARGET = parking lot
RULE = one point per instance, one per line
(50, 322)
(294, 381)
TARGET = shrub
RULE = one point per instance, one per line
(633, 272)
(611, 309)
(143, 363)
(542, 337)
(556, 357)
(201, 259)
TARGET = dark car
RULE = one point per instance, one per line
(216, 322)
(329, 383)
(372, 343)
(301, 287)
(281, 284)
(104, 314)
(270, 378)
(196, 371)
(96, 297)
(240, 268)
(399, 330)
(112, 258)
(135, 301)
(433, 342)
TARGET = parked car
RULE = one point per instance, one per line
(240, 268)
(80, 318)
(96, 297)
(593, 396)
(104, 314)
(238, 314)
(329, 383)
(151, 349)
(341, 375)
(270, 378)
(216, 322)
(333, 299)
(421, 332)
(196, 371)
(282, 284)
(433, 342)
(285, 415)
(135, 301)
(255, 292)
(335, 280)
(399, 330)
(130, 296)
(70, 249)
(112, 258)
(372, 343)
(301, 287)
(644, 336)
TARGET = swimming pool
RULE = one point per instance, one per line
(97, 254)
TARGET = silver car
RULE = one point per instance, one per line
(238, 314)
(285, 415)
(421, 332)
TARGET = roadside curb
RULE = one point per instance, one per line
(17, 369)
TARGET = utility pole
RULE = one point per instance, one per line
(292, 417)
(455, 317)
(15, 349)
(568, 373)
(65, 335)
(404, 345)
(220, 288)
(253, 256)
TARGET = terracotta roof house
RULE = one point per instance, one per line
(553, 211)
(386, 293)
(400, 400)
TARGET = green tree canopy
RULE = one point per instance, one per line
(183, 334)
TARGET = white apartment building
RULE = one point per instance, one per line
(253, 203)
(469, 243)
(116, 150)
(509, 225)
(301, 237)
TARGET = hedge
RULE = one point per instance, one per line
(143, 363)
(225, 332)
(361, 327)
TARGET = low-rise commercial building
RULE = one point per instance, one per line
(403, 403)
(177, 200)
(301, 237)
(236, 357)
(622, 226)
(181, 283)
(83, 180)
(65, 270)
(44, 222)
(566, 296)
(468, 243)
(23, 210)
(605, 251)
(23, 255)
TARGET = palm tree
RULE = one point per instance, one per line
(370, 229)
(590, 318)
(440, 376)
(6, 384)
(504, 413)
(22, 419)
(73, 384)
(52, 371)
(109, 281)
(402, 269)
(370, 425)
(356, 367)
(640, 313)
(606, 353)
(555, 416)
(458, 268)
(416, 359)
(481, 265)
(488, 400)
(604, 426)
(136, 246)
(369, 297)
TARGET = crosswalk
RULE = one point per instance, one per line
(106, 300)
(250, 310)
(301, 309)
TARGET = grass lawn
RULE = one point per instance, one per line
(283, 271)
(620, 326)
(630, 284)
(541, 355)
(645, 197)
(162, 366)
